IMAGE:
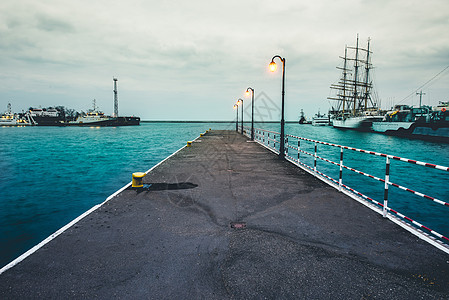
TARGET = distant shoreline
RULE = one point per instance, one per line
(230, 122)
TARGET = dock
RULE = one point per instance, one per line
(227, 219)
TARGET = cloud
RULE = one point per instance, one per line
(182, 52)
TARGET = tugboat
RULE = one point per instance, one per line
(355, 108)
(302, 118)
(93, 118)
(98, 118)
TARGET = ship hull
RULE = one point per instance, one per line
(320, 122)
(12, 121)
(127, 121)
(48, 121)
(436, 132)
(120, 121)
(356, 123)
(386, 127)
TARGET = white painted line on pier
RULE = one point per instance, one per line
(76, 220)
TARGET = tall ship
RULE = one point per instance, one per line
(354, 107)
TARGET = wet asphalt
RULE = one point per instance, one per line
(226, 219)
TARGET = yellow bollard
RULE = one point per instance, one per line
(189, 144)
(210, 129)
(138, 179)
(201, 134)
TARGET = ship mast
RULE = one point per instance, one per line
(356, 69)
(367, 68)
(115, 98)
(354, 87)
(344, 79)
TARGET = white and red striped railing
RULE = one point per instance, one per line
(271, 140)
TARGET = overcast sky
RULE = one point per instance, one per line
(191, 60)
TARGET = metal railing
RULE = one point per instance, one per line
(295, 152)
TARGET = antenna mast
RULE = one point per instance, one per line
(115, 98)
(420, 97)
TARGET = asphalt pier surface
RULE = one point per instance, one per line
(226, 219)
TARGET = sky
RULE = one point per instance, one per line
(192, 60)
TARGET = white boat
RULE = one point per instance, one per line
(320, 120)
(11, 119)
(93, 118)
(355, 108)
(98, 118)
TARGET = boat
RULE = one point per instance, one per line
(45, 117)
(303, 119)
(355, 107)
(97, 118)
(425, 122)
(93, 117)
(11, 119)
(320, 120)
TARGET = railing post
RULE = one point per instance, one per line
(274, 143)
(387, 180)
(299, 148)
(286, 146)
(340, 181)
(268, 138)
(314, 161)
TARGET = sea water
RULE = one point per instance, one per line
(51, 175)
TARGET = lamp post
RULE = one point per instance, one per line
(236, 107)
(252, 111)
(240, 100)
(272, 69)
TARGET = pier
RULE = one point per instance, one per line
(227, 219)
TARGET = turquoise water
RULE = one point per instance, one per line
(50, 175)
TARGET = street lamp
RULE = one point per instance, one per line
(273, 68)
(240, 100)
(236, 107)
(252, 111)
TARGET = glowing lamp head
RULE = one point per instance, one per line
(273, 66)
(247, 93)
(235, 106)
